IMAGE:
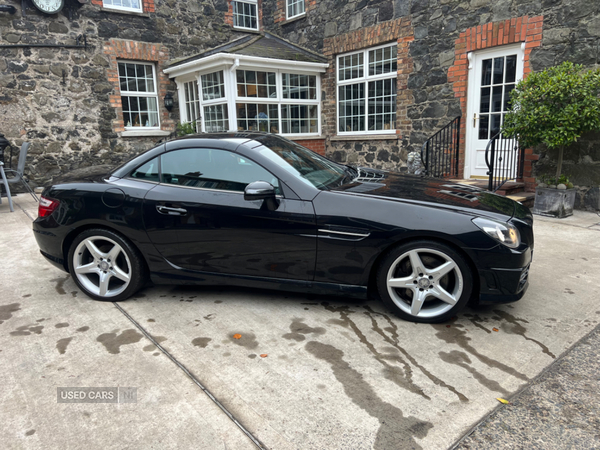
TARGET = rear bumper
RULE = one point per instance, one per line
(50, 243)
(56, 262)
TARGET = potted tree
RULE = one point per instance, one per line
(555, 107)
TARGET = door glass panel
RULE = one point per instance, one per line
(484, 122)
(507, 90)
(497, 99)
(511, 69)
(495, 125)
(484, 103)
(486, 72)
(498, 70)
(212, 169)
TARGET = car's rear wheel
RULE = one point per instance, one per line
(105, 266)
(424, 281)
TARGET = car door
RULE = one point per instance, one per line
(200, 203)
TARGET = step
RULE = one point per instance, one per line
(526, 198)
(511, 188)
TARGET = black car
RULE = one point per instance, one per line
(254, 209)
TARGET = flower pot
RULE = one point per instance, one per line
(554, 202)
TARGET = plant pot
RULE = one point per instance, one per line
(554, 202)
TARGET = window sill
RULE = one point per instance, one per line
(294, 19)
(303, 138)
(245, 30)
(122, 11)
(145, 133)
(362, 137)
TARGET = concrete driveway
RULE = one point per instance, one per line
(306, 373)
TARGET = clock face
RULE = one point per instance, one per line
(48, 6)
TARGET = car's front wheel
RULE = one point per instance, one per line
(105, 266)
(424, 281)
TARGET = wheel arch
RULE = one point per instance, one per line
(68, 241)
(372, 283)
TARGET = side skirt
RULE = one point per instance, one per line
(181, 276)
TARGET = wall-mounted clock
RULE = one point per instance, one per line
(48, 6)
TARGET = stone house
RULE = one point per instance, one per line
(363, 81)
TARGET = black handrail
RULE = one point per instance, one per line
(505, 160)
(439, 153)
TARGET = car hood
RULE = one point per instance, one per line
(442, 193)
(94, 174)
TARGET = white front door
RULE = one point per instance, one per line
(493, 74)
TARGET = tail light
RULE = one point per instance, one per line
(47, 206)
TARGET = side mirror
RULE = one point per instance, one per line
(261, 190)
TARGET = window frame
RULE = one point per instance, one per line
(231, 97)
(364, 80)
(140, 94)
(249, 2)
(289, 3)
(191, 104)
(125, 8)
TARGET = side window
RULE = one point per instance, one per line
(212, 169)
(147, 171)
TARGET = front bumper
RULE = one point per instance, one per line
(505, 278)
(503, 285)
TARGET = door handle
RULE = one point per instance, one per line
(475, 120)
(171, 211)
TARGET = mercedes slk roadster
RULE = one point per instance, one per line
(257, 210)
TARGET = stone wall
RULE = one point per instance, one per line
(63, 101)
(571, 31)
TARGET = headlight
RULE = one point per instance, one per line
(503, 232)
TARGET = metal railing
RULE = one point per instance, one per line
(504, 159)
(439, 153)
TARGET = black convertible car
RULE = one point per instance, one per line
(255, 209)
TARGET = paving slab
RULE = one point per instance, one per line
(51, 336)
(306, 372)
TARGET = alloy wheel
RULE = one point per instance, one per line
(102, 266)
(424, 283)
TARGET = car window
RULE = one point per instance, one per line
(212, 169)
(147, 171)
(308, 166)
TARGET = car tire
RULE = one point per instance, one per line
(106, 266)
(434, 274)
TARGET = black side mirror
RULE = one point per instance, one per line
(261, 190)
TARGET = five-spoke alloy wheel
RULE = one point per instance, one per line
(424, 281)
(105, 266)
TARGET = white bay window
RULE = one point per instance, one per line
(274, 99)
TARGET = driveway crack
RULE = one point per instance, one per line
(192, 377)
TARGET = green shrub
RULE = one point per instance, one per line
(555, 107)
(186, 128)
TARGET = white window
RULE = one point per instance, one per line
(123, 5)
(216, 117)
(139, 97)
(294, 8)
(367, 91)
(245, 14)
(273, 101)
(277, 102)
(192, 103)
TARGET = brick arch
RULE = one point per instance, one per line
(493, 34)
